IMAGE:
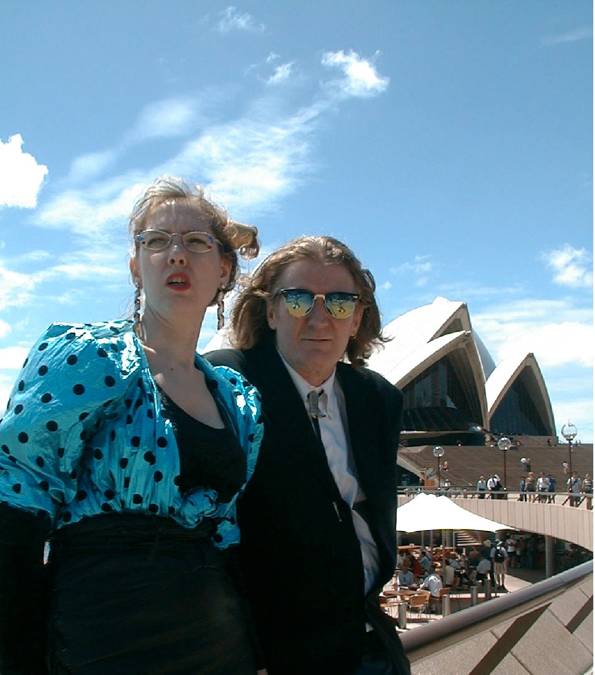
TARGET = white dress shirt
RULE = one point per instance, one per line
(338, 454)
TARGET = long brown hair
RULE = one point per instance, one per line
(249, 317)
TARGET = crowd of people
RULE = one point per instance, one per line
(541, 488)
(459, 568)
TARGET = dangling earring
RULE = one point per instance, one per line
(220, 309)
(138, 326)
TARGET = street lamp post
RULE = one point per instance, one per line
(438, 452)
(569, 432)
(504, 444)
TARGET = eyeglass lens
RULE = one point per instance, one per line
(339, 304)
(158, 240)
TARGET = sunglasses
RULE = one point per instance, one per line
(300, 302)
(159, 240)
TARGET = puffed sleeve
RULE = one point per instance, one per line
(70, 378)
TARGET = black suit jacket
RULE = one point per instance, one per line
(300, 555)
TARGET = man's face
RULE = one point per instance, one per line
(313, 344)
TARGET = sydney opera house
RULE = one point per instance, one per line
(454, 392)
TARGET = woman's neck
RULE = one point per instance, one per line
(172, 344)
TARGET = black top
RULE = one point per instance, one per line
(209, 457)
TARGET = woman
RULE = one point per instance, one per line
(129, 450)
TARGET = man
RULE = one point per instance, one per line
(481, 487)
(484, 568)
(433, 583)
(499, 558)
(405, 578)
(522, 489)
(543, 487)
(493, 482)
(552, 489)
(574, 489)
(425, 561)
(322, 502)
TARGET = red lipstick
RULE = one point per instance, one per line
(178, 281)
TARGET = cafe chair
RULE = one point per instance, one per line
(419, 601)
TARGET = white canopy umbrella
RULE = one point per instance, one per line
(429, 512)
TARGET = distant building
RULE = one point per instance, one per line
(454, 392)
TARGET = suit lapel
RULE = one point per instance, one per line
(285, 415)
(358, 421)
(367, 447)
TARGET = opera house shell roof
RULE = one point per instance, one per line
(453, 389)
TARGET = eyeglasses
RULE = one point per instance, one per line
(300, 302)
(159, 240)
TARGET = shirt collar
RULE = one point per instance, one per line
(304, 387)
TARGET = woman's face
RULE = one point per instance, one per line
(179, 284)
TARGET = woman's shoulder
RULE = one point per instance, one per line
(78, 333)
(231, 385)
(88, 349)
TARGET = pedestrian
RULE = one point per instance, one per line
(543, 486)
(574, 489)
(552, 489)
(499, 557)
(588, 490)
(481, 487)
(523, 489)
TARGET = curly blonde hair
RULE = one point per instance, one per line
(235, 237)
(249, 317)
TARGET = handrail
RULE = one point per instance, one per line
(462, 491)
(474, 616)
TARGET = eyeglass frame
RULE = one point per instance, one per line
(356, 297)
(212, 240)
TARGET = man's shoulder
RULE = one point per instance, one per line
(232, 358)
(371, 378)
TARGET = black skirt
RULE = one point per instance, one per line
(141, 595)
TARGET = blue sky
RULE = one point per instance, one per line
(448, 143)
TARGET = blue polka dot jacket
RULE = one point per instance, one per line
(83, 433)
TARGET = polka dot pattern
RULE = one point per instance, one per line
(84, 419)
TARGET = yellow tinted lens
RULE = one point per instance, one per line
(298, 302)
(340, 305)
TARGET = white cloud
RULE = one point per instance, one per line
(420, 268)
(12, 358)
(571, 266)
(582, 33)
(386, 286)
(5, 328)
(557, 332)
(272, 56)
(109, 202)
(281, 73)
(6, 384)
(16, 289)
(165, 119)
(232, 19)
(579, 411)
(89, 166)
(21, 176)
(361, 79)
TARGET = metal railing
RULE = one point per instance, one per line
(479, 618)
(581, 500)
